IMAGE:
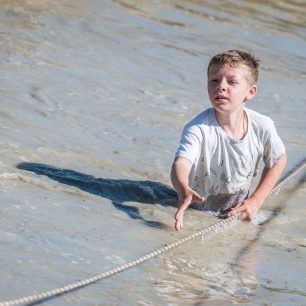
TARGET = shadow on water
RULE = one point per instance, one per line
(118, 191)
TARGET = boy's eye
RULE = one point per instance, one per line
(233, 82)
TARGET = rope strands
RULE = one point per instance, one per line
(291, 174)
(39, 297)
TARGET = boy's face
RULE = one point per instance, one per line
(229, 87)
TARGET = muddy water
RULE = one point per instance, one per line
(94, 95)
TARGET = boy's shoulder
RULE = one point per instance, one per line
(258, 117)
(260, 123)
(206, 117)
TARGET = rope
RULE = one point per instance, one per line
(291, 174)
(79, 284)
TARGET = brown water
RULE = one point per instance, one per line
(94, 95)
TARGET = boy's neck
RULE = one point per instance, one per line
(235, 124)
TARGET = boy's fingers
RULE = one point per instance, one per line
(245, 215)
(240, 208)
(183, 205)
(180, 212)
(199, 199)
(236, 210)
(179, 216)
(179, 223)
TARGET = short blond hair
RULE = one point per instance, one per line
(235, 58)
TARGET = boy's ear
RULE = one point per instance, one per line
(252, 92)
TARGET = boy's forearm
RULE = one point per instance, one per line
(268, 180)
(180, 179)
(180, 173)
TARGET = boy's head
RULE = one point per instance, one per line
(237, 58)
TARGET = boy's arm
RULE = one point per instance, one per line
(268, 179)
(179, 177)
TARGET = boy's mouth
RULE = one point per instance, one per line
(219, 98)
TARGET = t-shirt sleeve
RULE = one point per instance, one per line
(190, 144)
(273, 147)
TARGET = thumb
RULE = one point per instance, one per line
(197, 198)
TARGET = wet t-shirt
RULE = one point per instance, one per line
(223, 168)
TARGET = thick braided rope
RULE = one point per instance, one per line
(290, 175)
(212, 228)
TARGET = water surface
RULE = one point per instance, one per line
(94, 95)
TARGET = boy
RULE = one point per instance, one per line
(221, 148)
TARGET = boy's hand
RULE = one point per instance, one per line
(248, 209)
(188, 197)
(268, 179)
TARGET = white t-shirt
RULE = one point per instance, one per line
(223, 168)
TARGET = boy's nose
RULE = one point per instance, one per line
(221, 86)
